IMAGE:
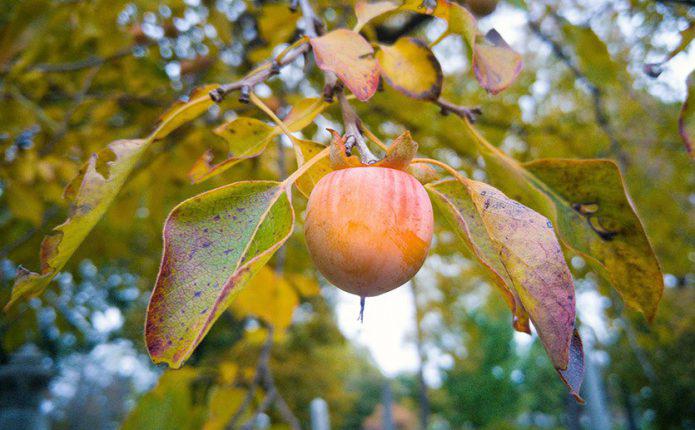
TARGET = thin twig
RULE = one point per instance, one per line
(76, 103)
(471, 114)
(263, 360)
(87, 62)
(596, 94)
(353, 131)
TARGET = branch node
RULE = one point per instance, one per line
(244, 94)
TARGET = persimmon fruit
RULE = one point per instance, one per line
(481, 8)
(368, 229)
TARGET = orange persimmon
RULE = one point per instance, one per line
(368, 229)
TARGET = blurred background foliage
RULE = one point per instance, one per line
(75, 75)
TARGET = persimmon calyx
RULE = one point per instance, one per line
(398, 155)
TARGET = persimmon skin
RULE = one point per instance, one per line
(481, 8)
(368, 229)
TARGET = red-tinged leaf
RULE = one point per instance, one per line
(574, 374)
(686, 119)
(93, 190)
(351, 57)
(366, 11)
(458, 210)
(495, 63)
(214, 244)
(410, 67)
(533, 260)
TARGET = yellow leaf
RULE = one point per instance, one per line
(270, 297)
(366, 11)
(410, 67)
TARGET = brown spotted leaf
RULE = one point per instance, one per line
(495, 63)
(93, 190)
(214, 244)
(410, 67)
(593, 214)
(533, 259)
(459, 211)
(686, 119)
(351, 57)
(596, 217)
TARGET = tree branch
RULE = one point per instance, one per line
(471, 114)
(596, 94)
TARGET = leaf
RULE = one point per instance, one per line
(573, 376)
(410, 67)
(305, 150)
(462, 22)
(168, 405)
(214, 244)
(495, 63)
(686, 119)
(223, 403)
(184, 111)
(93, 190)
(270, 297)
(366, 11)
(90, 194)
(459, 211)
(248, 138)
(351, 57)
(423, 172)
(589, 205)
(596, 217)
(400, 153)
(532, 257)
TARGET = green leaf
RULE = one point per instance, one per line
(686, 119)
(93, 190)
(214, 243)
(168, 405)
(589, 205)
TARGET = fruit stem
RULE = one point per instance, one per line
(353, 128)
(362, 301)
(444, 166)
